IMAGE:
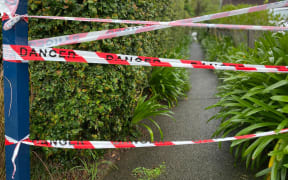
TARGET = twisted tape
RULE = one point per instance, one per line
(19, 53)
(150, 26)
(119, 144)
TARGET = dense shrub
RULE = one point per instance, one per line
(96, 102)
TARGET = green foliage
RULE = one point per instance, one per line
(201, 7)
(94, 102)
(146, 109)
(91, 168)
(256, 102)
(255, 18)
(142, 173)
(168, 84)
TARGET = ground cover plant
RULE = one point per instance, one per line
(142, 173)
(255, 102)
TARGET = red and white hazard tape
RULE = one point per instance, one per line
(171, 23)
(120, 144)
(107, 34)
(176, 23)
(91, 36)
(9, 7)
(18, 53)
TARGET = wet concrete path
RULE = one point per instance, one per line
(191, 162)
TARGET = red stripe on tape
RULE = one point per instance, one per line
(246, 68)
(203, 66)
(42, 143)
(155, 61)
(280, 68)
(233, 64)
(5, 17)
(204, 141)
(26, 52)
(82, 144)
(257, 8)
(7, 143)
(191, 62)
(123, 144)
(145, 29)
(245, 136)
(113, 58)
(69, 55)
(106, 36)
(15, 61)
(220, 15)
(166, 143)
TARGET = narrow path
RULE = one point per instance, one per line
(191, 162)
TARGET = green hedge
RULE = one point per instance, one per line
(94, 102)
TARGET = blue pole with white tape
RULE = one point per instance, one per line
(16, 98)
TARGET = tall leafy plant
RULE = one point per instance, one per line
(256, 102)
(168, 84)
(146, 109)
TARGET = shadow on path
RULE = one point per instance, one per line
(191, 162)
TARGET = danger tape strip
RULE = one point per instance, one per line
(120, 144)
(106, 34)
(9, 7)
(171, 23)
(199, 25)
(89, 36)
(18, 53)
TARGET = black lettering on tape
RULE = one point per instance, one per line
(54, 142)
(43, 142)
(127, 58)
(62, 143)
(156, 61)
(54, 53)
(33, 52)
(61, 54)
(109, 57)
(80, 142)
(23, 51)
(138, 59)
(119, 58)
(43, 52)
(71, 53)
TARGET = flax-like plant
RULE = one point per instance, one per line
(256, 102)
(146, 109)
(168, 84)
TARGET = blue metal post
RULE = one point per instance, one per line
(16, 99)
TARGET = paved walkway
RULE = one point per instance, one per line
(191, 162)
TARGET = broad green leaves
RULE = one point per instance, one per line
(255, 102)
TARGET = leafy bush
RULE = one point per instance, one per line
(256, 102)
(80, 101)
